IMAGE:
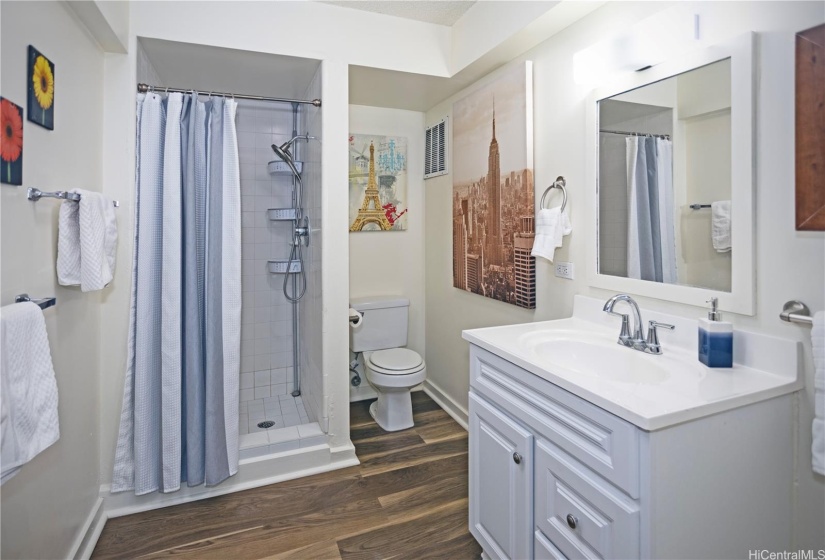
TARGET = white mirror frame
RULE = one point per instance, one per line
(743, 179)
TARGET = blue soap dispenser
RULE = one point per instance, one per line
(715, 339)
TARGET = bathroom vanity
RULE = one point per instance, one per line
(581, 448)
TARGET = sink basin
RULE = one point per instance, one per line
(594, 355)
(580, 355)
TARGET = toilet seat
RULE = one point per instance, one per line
(396, 361)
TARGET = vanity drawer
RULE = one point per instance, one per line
(544, 549)
(581, 514)
(603, 442)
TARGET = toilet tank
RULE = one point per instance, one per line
(384, 324)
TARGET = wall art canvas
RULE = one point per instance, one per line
(377, 183)
(11, 143)
(493, 196)
(41, 89)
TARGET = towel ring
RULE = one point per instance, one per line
(559, 183)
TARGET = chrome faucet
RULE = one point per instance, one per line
(637, 340)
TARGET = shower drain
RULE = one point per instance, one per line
(266, 424)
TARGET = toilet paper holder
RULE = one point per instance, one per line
(355, 318)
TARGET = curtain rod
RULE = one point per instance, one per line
(623, 133)
(145, 88)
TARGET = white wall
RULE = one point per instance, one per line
(790, 265)
(146, 71)
(46, 504)
(389, 263)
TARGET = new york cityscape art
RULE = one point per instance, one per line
(493, 200)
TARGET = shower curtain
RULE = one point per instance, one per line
(651, 237)
(179, 421)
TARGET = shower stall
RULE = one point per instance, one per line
(278, 123)
(280, 185)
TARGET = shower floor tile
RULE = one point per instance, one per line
(283, 411)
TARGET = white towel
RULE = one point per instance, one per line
(818, 428)
(720, 225)
(551, 225)
(28, 390)
(86, 242)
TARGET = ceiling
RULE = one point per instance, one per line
(205, 68)
(380, 87)
(441, 12)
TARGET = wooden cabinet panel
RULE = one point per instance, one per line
(810, 129)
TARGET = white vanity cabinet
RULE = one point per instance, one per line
(554, 476)
(501, 480)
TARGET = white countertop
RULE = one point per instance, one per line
(764, 366)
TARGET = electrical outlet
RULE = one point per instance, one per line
(564, 270)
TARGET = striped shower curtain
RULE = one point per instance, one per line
(179, 421)
(651, 233)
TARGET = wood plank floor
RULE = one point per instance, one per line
(407, 499)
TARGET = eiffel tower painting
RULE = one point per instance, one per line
(370, 212)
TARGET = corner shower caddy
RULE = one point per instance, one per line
(284, 266)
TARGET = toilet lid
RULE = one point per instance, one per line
(396, 359)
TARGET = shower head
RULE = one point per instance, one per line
(284, 153)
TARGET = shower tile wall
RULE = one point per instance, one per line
(311, 305)
(266, 331)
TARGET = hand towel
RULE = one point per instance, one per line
(87, 242)
(551, 225)
(720, 225)
(28, 390)
(818, 428)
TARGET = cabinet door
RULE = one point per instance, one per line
(501, 482)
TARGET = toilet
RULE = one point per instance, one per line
(392, 370)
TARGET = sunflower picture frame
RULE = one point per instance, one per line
(41, 89)
(11, 142)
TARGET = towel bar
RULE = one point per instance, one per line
(34, 195)
(796, 312)
(559, 183)
(42, 303)
(699, 206)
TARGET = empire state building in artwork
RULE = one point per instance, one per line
(494, 245)
(493, 200)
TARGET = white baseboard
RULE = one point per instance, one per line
(458, 412)
(84, 543)
(252, 473)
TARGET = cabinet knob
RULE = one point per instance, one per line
(517, 458)
(572, 521)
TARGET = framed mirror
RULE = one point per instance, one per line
(671, 180)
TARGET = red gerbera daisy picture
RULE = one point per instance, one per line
(11, 142)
